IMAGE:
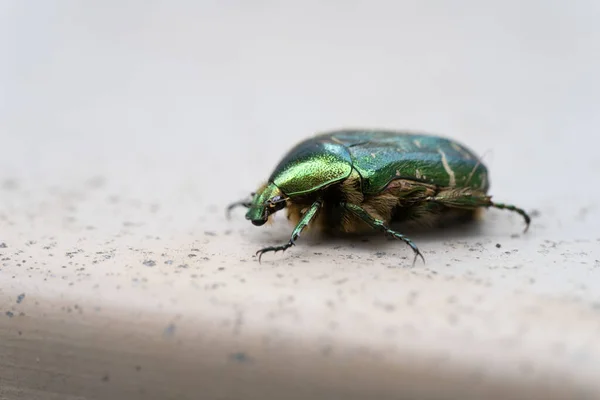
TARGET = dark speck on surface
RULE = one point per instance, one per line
(3, 245)
(149, 263)
(10, 314)
(20, 298)
(96, 182)
(498, 245)
(210, 233)
(105, 378)
(240, 357)
(10, 184)
(169, 331)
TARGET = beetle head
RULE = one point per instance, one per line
(267, 200)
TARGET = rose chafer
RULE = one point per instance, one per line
(357, 180)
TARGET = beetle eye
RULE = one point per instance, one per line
(274, 202)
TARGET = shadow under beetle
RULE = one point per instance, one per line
(357, 180)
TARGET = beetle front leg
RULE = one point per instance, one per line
(304, 221)
(380, 225)
(471, 199)
(241, 203)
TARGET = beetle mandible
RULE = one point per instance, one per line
(356, 180)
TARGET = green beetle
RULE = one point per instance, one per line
(357, 180)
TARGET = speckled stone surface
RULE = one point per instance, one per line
(127, 129)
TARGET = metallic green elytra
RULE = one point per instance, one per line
(357, 180)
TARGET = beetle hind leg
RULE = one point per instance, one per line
(380, 225)
(513, 208)
(470, 199)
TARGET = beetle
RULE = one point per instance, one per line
(356, 180)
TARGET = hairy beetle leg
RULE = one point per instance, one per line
(467, 198)
(303, 223)
(379, 225)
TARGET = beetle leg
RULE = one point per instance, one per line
(380, 225)
(241, 203)
(472, 199)
(303, 223)
(518, 210)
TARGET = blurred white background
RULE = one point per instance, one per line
(127, 126)
(162, 93)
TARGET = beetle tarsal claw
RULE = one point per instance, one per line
(417, 255)
(274, 249)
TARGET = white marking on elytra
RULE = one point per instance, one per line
(462, 151)
(483, 181)
(452, 178)
(477, 164)
(417, 143)
(418, 174)
(397, 172)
